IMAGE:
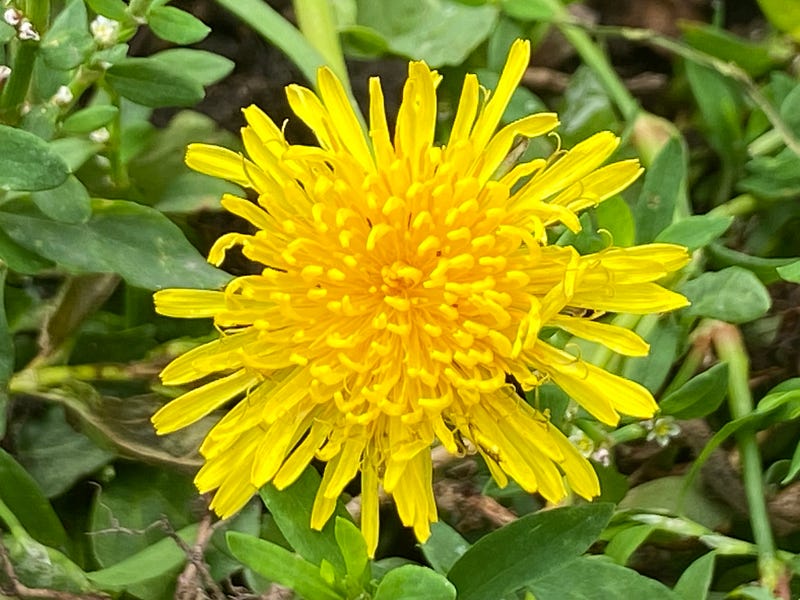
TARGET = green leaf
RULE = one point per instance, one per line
(444, 547)
(696, 579)
(204, 67)
(590, 577)
(663, 186)
(529, 10)
(39, 566)
(615, 216)
(156, 561)
(734, 295)
(412, 582)
(68, 42)
(719, 103)
(29, 164)
(784, 16)
(6, 351)
(526, 550)
(177, 26)
(192, 192)
(663, 337)
(755, 58)
(429, 30)
(56, 455)
(766, 269)
(68, 203)
(22, 495)
(291, 509)
(135, 241)
(89, 119)
(696, 231)
(20, 259)
(153, 83)
(353, 548)
(281, 566)
(698, 397)
(625, 543)
(74, 151)
(790, 272)
(113, 9)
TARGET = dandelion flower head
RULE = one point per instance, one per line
(402, 282)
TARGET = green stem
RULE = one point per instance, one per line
(16, 88)
(689, 366)
(38, 13)
(736, 207)
(730, 348)
(316, 20)
(12, 523)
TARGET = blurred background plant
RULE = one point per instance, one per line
(97, 210)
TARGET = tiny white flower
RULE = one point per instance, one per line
(104, 30)
(25, 31)
(63, 96)
(25, 108)
(100, 136)
(5, 73)
(581, 441)
(12, 16)
(661, 430)
(602, 456)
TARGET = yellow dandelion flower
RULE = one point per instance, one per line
(402, 282)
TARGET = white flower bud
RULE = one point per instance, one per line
(100, 136)
(5, 73)
(12, 16)
(62, 97)
(104, 30)
(25, 31)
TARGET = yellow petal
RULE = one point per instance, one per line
(517, 62)
(467, 109)
(378, 128)
(189, 304)
(615, 338)
(599, 185)
(196, 404)
(218, 162)
(637, 299)
(500, 144)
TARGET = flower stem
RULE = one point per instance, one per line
(316, 20)
(16, 88)
(12, 523)
(730, 348)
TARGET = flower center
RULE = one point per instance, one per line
(399, 278)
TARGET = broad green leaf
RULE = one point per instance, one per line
(412, 582)
(587, 108)
(68, 203)
(56, 455)
(698, 397)
(444, 547)
(89, 119)
(663, 185)
(28, 164)
(153, 83)
(22, 495)
(68, 42)
(530, 10)
(734, 295)
(794, 467)
(20, 259)
(696, 579)
(136, 500)
(591, 577)
(177, 26)
(205, 67)
(429, 30)
(353, 548)
(696, 231)
(615, 216)
(155, 562)
(137, 242)
(291, 509)
(281, 566)
(113, 9)
(790, 272)
(74, 151)
(192, 192)
(6, 350)
(790, 108)
(526, 550)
